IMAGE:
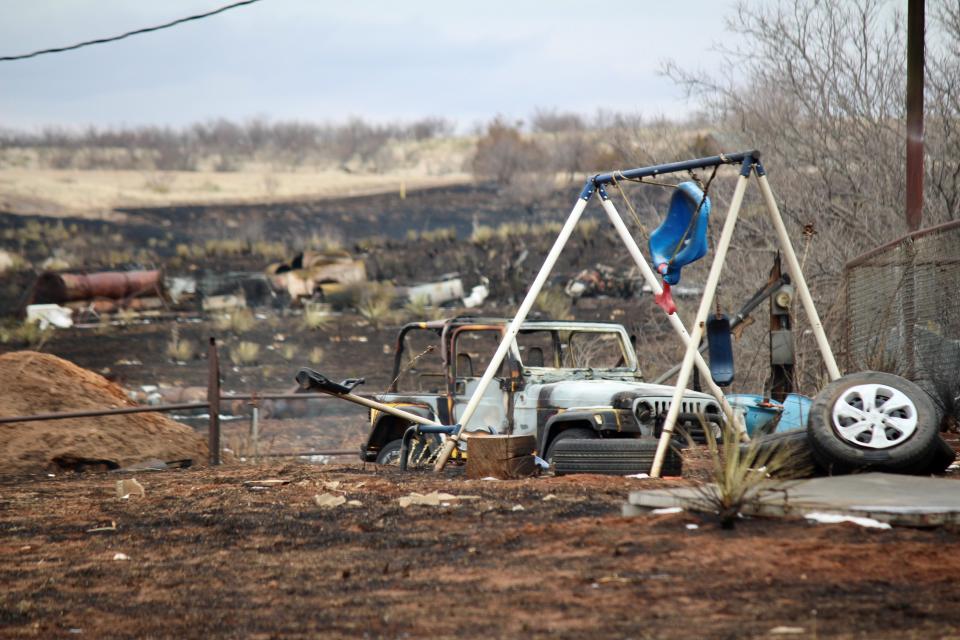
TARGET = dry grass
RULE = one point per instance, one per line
(244, 353)
(554, 304)
(96, 193)
(237, 322)
(375, 304)
(179, 349)
(316, 355)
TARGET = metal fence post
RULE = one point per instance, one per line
(213, 398)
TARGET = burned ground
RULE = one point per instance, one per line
(210, 555)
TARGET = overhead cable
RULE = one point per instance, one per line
(199, 16)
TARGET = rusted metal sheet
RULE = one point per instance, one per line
(113, 285)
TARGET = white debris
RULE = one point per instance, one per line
(692, 526)
(477, 295)
(129, 487)
(433, 499)
(666, 510)
(328, 500)
(517, 507)
(787, 631)
(120, 556)
(50, 315)
(638, 476)
(836, 518)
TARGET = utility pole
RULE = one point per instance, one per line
(916, 26)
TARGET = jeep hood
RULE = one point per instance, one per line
(596, 393)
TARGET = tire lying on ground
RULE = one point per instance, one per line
(790, 450)
(943, 457)
(612, 456)
(874, 421)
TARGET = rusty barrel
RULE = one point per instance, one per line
(115, 285)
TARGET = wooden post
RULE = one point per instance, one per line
(781, 372)
(255, 430)
(213, 398)
(503, 457)
(915, 55)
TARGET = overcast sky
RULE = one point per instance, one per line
(321, 60)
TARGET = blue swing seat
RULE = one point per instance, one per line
(666, 237)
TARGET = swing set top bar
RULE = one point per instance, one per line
(601, 179)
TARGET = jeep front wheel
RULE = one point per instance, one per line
(577, 433)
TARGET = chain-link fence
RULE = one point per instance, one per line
(903, 311)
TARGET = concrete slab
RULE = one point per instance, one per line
(895, 499)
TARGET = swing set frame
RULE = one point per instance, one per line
(750, 165)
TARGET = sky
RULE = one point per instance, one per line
(327, 61)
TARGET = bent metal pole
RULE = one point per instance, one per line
(732, 416)
(713, 278)
(797, 274)
(514, 327)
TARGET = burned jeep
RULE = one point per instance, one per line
(560, 381)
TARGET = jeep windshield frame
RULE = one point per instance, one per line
(566, 336)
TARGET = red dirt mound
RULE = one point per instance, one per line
(32, 383)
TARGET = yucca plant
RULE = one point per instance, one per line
(375, 304)
(315, 319)
(742, 473)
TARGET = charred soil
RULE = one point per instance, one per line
(210, 554)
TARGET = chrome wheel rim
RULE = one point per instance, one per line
(874, 416)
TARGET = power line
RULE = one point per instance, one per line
(199, 16)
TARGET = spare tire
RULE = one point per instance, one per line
(612, 456)
(873, 421)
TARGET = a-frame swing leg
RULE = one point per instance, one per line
(713, 278)
(648, 276)
(514, 327)
(793, 265)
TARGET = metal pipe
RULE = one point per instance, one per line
(514, 327)
(674, 318)
(793, 266)
(278, 396)
(674, 167)
(379, 406)
(713, 278)
(96, 413)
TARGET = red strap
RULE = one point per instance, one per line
(665, 300)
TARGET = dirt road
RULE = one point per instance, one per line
(211, 556)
